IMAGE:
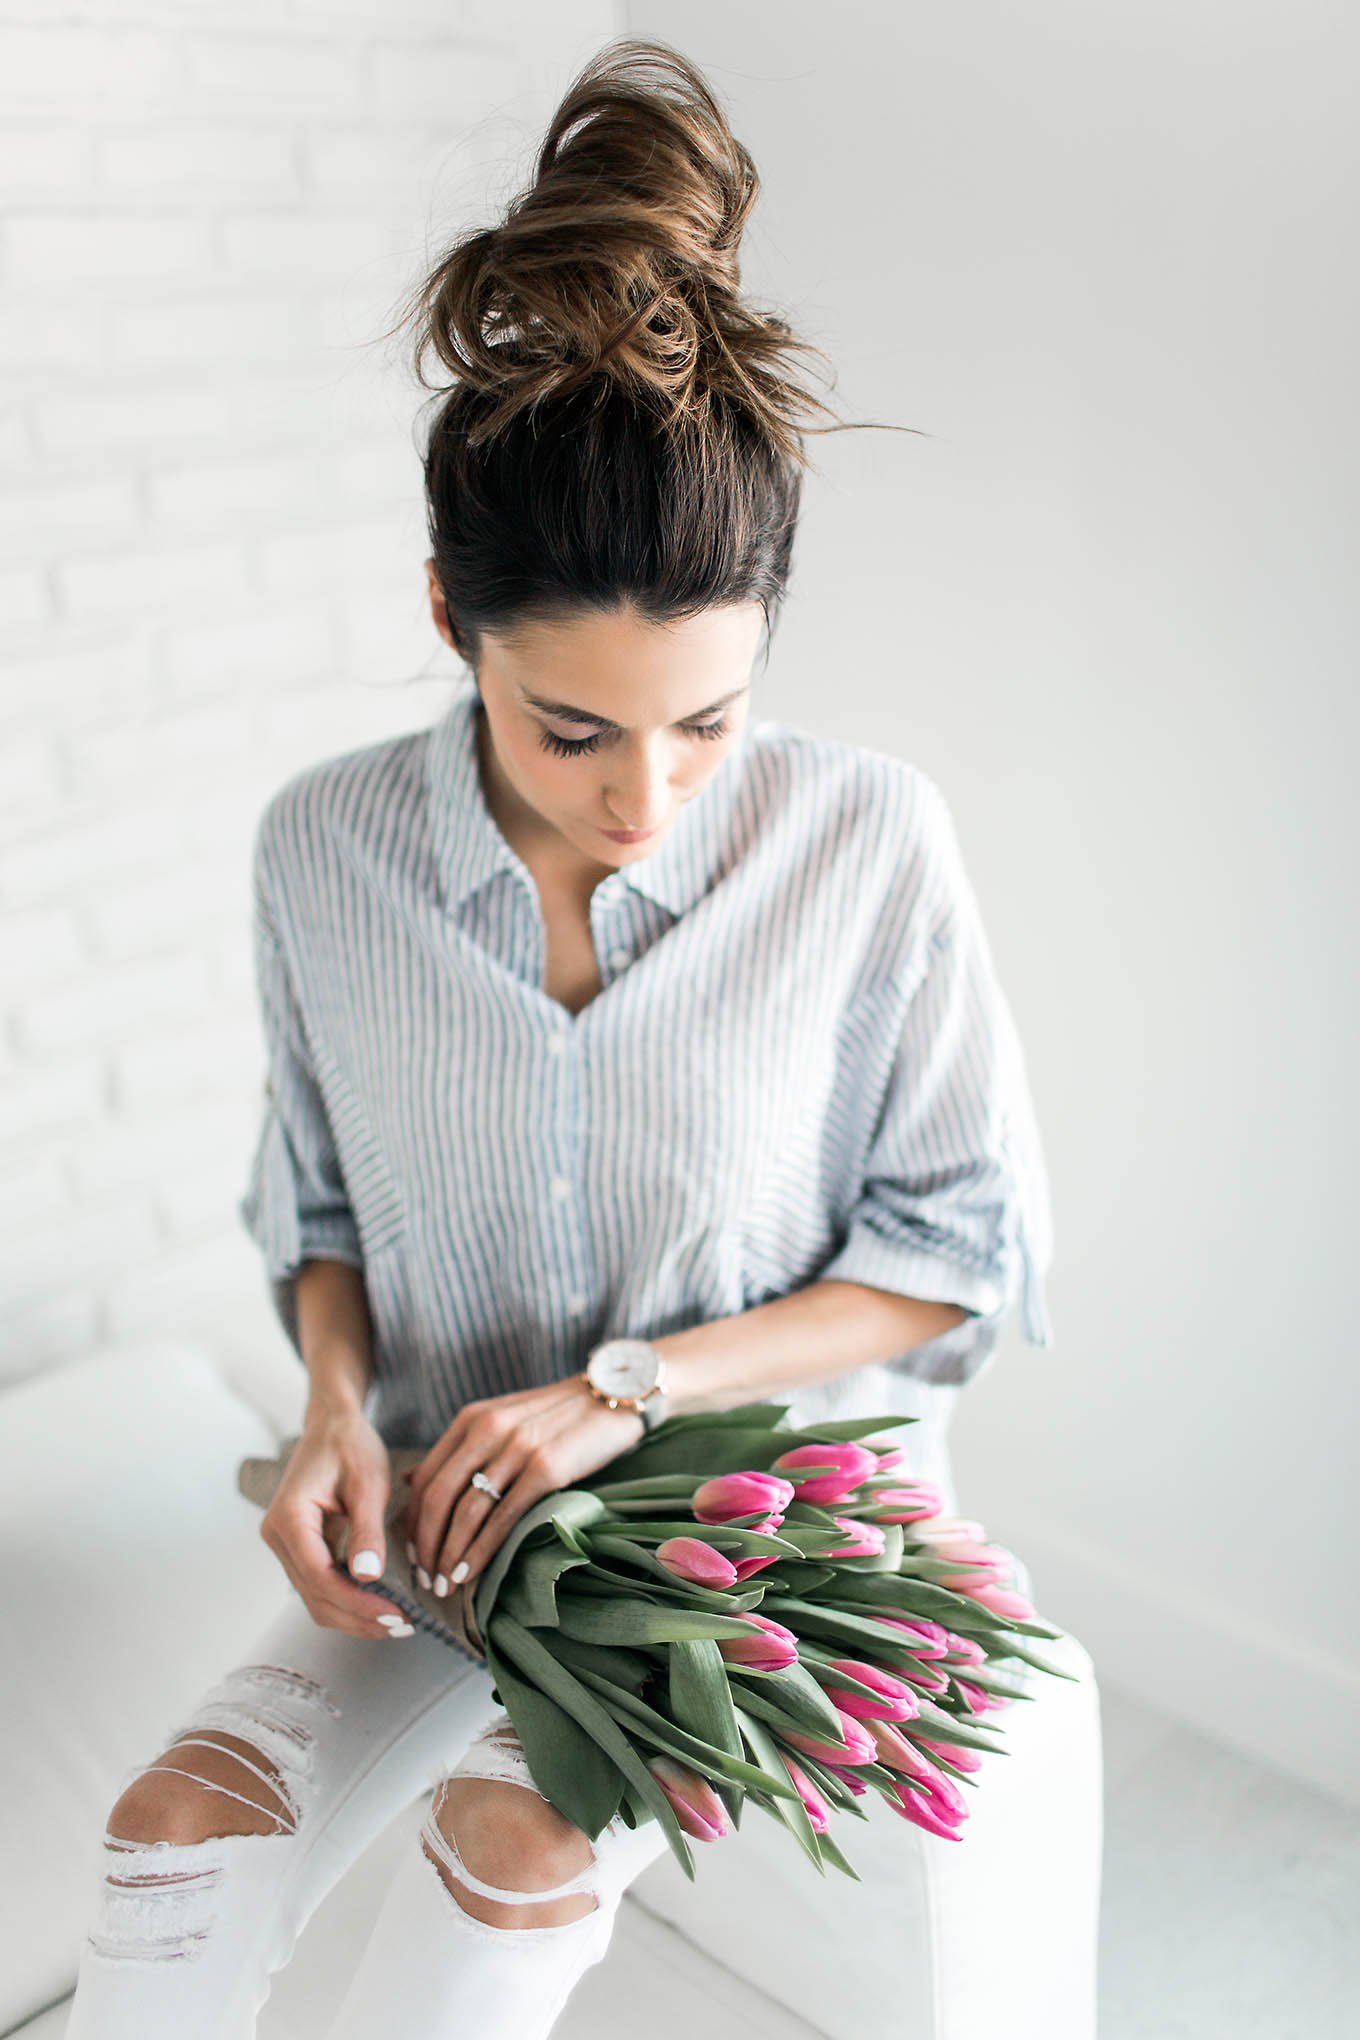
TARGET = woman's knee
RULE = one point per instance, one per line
(200, 1788)
(506, 1834)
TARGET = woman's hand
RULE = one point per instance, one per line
(339, 1466)
(527, 1444)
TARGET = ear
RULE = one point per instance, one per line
(439, 610)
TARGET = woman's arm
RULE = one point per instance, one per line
(335, 1335)
(825, 1329)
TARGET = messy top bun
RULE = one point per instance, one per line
(621, 424)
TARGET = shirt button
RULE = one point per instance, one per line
(560, 1188)
(555, 1044)
(576, 1304)
(607, 891)
(618, 957)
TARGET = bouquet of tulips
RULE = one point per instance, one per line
(742, 1610)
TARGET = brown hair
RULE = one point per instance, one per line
(622, 425)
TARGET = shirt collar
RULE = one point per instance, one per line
(469, 848)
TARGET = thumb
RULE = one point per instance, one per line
(367, 1543)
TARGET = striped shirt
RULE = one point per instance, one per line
(800, 1065)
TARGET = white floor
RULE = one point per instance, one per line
(1231, 1910)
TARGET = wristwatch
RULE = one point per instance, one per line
(629, 1374)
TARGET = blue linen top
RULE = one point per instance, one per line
(800, 1065)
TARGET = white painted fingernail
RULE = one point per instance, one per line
(441, 1585)
(365, 1565)
(402, 1629)
(393, 1621)
(423, 1577)
(459, 1573)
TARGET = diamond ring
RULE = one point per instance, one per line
(488, 1487)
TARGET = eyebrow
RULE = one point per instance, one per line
(602, 722)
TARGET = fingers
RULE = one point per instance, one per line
(479, 1522)
(365, 1507)
(298, 1542)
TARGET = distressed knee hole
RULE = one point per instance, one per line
(507, 1836)
(200, 1788)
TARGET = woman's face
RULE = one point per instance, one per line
(606, 722)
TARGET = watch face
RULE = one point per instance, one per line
(624, 1367)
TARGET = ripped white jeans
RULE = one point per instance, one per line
(186, 1936)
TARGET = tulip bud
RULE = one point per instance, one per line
(742, 1494)
(888, 1456)
(698, 1808)
(850, 1778)
(964, 1649)
(932, 1643)
(953, 1753)
(851, 1464)
(747, 1566)
(917, 1807)
(689, 1558)
(1003, 1601)
(855, 1746)
(895, 1701)
(911, 1504)
(819, 1813)
(867, 1541)
(769, 1648)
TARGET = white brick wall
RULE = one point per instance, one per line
(211, 538)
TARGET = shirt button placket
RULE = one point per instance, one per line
(572, 1277)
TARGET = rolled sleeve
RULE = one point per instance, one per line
(955, 1204)
(295, 1205)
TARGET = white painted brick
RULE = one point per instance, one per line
(55, 863)
(61, 65)
(78, 250)
(324, 248)
(111, 1001)
(74, 513)
(375, 551)
(37, 947)
(38, 339)
(25, 599)
(126, 1156)
(288, 646)
(29, 780)
(184, 1290)
(194, 414)
(179, 905)
(32, 1190)
(240, 328)
(174, 750)
(379, 470)
(62, 1328)
(295, 70)
(185, 165)
(240, 496)
(169, 1066)
(84, 1243)
(393, 158)
(42, 1100)
(449, 81)
(201, 1199)
(393, 642)
(40, 159)
(151, 582)
(78, 685)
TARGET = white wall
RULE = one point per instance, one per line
(212, 544)
(1105, 256)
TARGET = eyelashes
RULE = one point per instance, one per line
(576, 747)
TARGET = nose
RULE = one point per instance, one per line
(639, 796)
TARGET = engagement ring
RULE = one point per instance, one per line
(488, 1487)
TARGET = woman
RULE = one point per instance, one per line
(597, 1010)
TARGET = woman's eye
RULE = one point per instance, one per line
(575, 747)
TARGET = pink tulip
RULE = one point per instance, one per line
(855, 1746)
(742, 1494)
(868, 1541)
(769, 1648)
(905, 1504)
(916, 1806)
(888, 1455)
(747, 1566)
(851, 1463)
(819, 1813)
(953, 1753)
(689, 1558)
(904, 1756)
(965, 1649)
(1003, 1601)
(933, 1643)
(895, 1702)
(851, 1778)
(946, 1529)
(698, 1808)
(977, 1699)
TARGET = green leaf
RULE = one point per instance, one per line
(795, 1579)
(627, 1668)
(853, 1428)
(699, 1695)
(797, 1692)
(593, 1620)
(729, 1538)
(572, 1506)
(649, 1725)
(661, 1580)
(831, 1852)
(516, 1642)
(718, 1448)
(534, 1583)
(792, 1812)
(566, 1763)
